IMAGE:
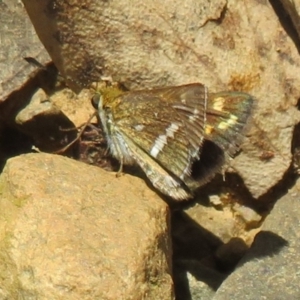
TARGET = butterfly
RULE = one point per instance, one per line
(180, 136)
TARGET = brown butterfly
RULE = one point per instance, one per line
(166, 130)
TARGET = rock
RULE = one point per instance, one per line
(195, 281)
(215, 201)
(52, 121)
(224, 224)
(73, 231)
(250, 216)
(270, 270)
(77, 107)
(18, 40)
(48, 127)
(39, 104)
(191, 240)
(229, 254)
(207, 245)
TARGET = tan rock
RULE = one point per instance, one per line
(222, 223)
(78, 108)
(73, 231)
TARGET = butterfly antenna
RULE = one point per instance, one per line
(78, 136)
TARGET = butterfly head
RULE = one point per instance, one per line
(106, 97)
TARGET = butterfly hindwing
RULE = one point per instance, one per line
(227, 118)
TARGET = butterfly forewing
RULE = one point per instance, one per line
(145, 134)
(172, 126)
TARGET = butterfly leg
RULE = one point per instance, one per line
(117, 153)
(120, 171)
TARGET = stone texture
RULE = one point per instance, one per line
(209, 239)
(52, 121)
(48, 127)
(270, 270)
(194, 281)
(224, 223)
(249, 216)
(73, 231)
(18, 40)
(77, 107)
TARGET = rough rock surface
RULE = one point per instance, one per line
(52, 121)
(207, 245)
(270, 270)
(194, 281)
(18, 40)
(225, 223)
(227, 45)
(68, 231)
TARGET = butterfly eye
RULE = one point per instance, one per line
(96, 100)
